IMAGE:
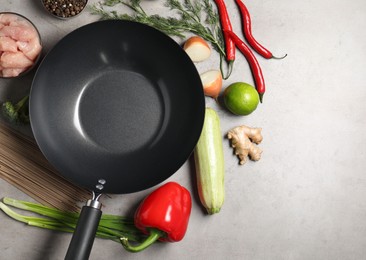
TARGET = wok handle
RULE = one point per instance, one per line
(83, 238)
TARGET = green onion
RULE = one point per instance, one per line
(111, 227)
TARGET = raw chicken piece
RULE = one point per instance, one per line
(15, 60)
(12, 72)
(18, 33)
(8, 44)
(22, 22)
(6, 19)
(30, 49)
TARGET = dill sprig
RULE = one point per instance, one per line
(194, 16)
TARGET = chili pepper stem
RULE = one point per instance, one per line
(279, 58)
(261, 98)
(229, 70)
(154, 235)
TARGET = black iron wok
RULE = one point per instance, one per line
(116, 107)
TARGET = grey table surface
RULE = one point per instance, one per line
(306, 197)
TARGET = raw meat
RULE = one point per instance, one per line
(8, 44)
(6, 19)
(30, 49)
(19, 33)
(15, 60)
(19, 45)
(8, 73)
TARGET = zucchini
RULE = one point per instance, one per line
(209, 163)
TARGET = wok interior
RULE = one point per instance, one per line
(128, 108)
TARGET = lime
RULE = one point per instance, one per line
(241, 98)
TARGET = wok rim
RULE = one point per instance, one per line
(194, 132)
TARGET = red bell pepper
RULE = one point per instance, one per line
(163, 215)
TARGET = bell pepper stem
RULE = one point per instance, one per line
(154, 235)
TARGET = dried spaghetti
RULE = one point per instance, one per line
(23, 165)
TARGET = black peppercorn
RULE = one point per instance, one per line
(64, 8)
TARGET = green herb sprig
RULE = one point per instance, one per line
(194, 16)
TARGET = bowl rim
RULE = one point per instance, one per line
(60, 17)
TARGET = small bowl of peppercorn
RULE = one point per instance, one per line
(64, 9)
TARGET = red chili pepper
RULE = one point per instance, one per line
(226, 25)
(247, 28)
(253, 63)
(163, 215)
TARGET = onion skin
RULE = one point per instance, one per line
(212, 83)
(197, 49)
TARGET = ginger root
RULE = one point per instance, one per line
(244, 140)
